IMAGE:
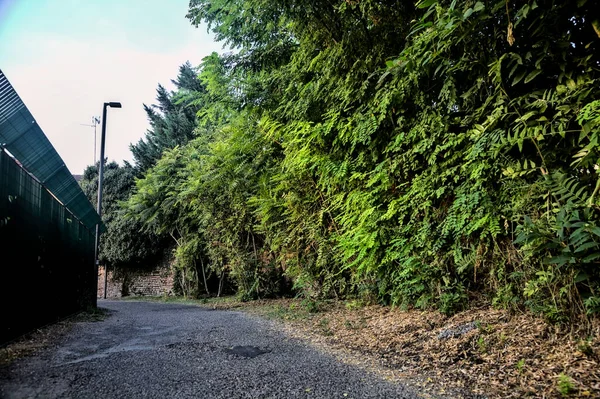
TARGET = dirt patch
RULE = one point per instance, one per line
(485, 351)
(44, 337)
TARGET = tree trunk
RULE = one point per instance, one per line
(221, 283)
(204, 276)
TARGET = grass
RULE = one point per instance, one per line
(282, 309)
(565, 385)
(324, 327)
(90, 315)
(520, 365)
(584, 347)
(481, 345)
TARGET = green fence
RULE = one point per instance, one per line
(47, 255)
(47, 227)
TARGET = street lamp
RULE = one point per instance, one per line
(100, 176)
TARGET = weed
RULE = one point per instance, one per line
(277, 312)
(91, 314)
(354, 304)
(283, 312)
(481, 345)
(362, 323)
(311, 306)
(584, 347)
(502, 339)
(324, 326)
(520, 365)
(565, 385)
(484, 329)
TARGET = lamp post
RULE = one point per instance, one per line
(100, 177)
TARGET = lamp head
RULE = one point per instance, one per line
(114, 104)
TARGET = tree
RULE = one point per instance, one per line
(122, 245)
(172, 119)
(418, 154)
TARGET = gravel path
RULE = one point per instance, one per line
(157, 350)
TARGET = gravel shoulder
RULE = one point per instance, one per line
(482, 351)
(158, 350)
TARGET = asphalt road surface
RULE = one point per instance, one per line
(158, 350)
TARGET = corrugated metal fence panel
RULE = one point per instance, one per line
(24, 139)
(46, 255)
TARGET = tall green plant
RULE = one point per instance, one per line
(121, 246)
(420, 153)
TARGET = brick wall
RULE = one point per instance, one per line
(113, 288)
(157, 282)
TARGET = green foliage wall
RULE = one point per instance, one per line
(122, 246)
(417, 153)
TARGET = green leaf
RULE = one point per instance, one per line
(513, 69)
(532, 75)
(591, 257)
(581, 276)
(478, 6)
(526, 117)
(559, 260)
(518, 78)
(586, 246)
(595, 230)
(522, 238)
(426, 3)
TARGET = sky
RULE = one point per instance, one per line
(65, 58)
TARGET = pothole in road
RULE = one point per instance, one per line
(246, 351)
(190, 346)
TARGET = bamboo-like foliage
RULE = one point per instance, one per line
(416, 153)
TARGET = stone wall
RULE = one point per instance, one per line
(157, 282)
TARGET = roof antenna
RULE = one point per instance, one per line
(95, 122)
